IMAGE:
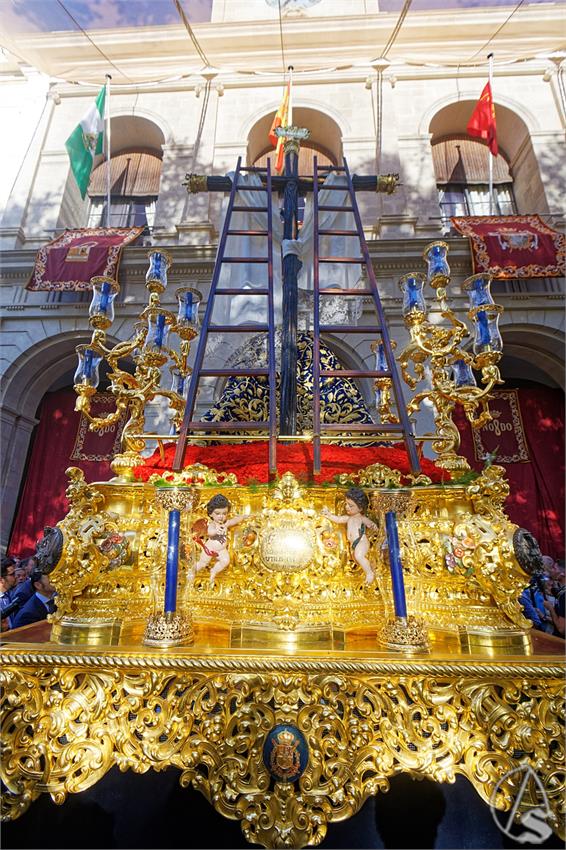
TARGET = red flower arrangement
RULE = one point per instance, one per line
(249, 461)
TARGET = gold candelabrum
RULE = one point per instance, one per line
(147, 349)
(452, 366)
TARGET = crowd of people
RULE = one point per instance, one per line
(543, 599)
(26, 594)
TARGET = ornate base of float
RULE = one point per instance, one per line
(285, 742)
(301, 696)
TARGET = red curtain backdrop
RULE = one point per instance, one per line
(60, 440)
(536, 501)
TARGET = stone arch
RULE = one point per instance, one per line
(24, 384)
(514, 128)
(540, 349)
(137, 128)
(325, 131)
(35, 371)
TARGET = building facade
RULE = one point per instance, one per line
(390, 94)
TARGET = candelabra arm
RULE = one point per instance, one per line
(436, 341)
(118, 351)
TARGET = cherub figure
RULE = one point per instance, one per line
(357, 525)
(212, 536)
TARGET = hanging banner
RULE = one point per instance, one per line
(513, 246)
(67, 263)
(505, 433)
(102, 445)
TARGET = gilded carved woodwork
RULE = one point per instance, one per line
(65, 724)
(457, 549)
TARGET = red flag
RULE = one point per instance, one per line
(482, 122)
(280, 120)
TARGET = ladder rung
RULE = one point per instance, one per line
(351, 329)
(353, 373)
(228, 426)
(330, 291)
(327, 208)
(250, 209)
(236, 329)
(358, 426)
(255, 169)
(338, 233)
(328, 168)
(243, 292)
(244, 259)
(359, 260)
(247, 233)
(232, 373)
(251, 189)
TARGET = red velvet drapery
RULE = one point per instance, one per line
(536, 501)
(60, 440)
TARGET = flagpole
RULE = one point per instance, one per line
(490, 60)
(108, 146)
(290, 109)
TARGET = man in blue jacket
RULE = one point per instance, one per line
(39, 605)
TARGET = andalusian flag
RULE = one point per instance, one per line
(86, 142)
(280, 120)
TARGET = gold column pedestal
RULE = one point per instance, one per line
(168, 630)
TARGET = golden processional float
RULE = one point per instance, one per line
(289, 645)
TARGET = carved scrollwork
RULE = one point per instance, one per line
(62, 733)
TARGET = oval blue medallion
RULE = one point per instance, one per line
(285, 753)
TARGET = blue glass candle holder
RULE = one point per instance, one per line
(487, 336)
(156, 277)
(414, 303)
(462, 374)
(187, 324)
(179, 382)
(438, 273)
(380, 359)
(101, 310)
(155, 345)
(478, 287)
(87, 372)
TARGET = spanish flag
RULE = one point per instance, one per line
(280, 120)
(482, 123)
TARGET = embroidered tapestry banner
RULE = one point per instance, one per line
(505, 432)
(513, 246)
(67, 263)
(99, 445)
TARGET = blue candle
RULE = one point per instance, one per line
(87, 368)
(395, 565)
(172, 562)
(160, 327)
(381, 362)
(105, 290)
(412, 292)
(484, 337)
(189, 306)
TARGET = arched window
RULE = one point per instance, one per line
(461, 167)
(134, 187)
(135, 173)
